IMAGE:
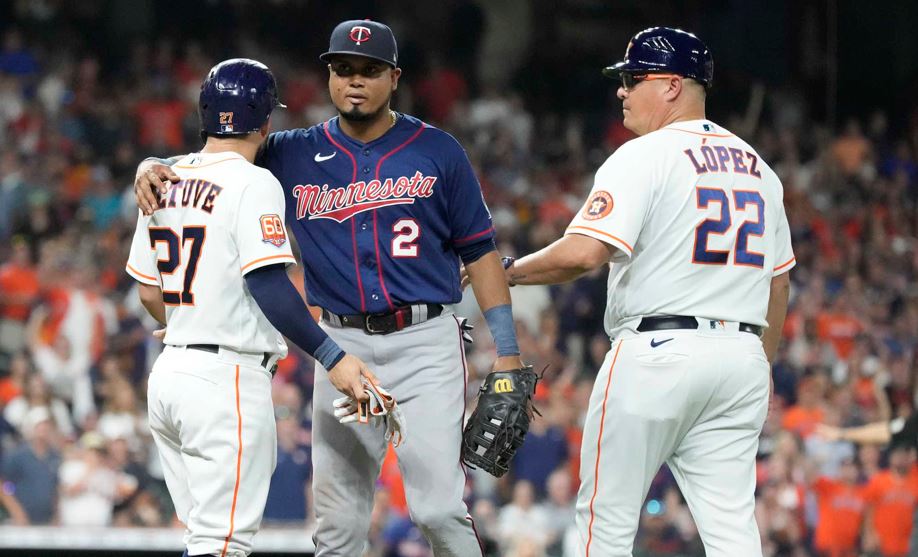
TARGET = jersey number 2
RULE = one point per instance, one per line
(407, 231)
(168, 266)
(742, 255)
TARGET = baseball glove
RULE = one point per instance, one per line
(499, 423)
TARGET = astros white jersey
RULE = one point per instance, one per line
(698, 219)
(224, 218)
(700, 232)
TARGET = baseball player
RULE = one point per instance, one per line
(384, 207)
(691, 222)
(211, 265)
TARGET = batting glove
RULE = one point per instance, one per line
(381, 405)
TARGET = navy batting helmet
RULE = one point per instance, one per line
(664, 49)
(237, 97)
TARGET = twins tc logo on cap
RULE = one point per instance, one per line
(599, 205)
(363, 37)
(360, 34)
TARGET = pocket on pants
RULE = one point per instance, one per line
(655, 386)
(661, 358)
(658, 351)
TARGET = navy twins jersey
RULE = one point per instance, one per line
(378, 223)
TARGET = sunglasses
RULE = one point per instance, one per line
(343, 69)
(630, 80)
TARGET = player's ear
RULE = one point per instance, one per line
(396, 73)
(674, 88)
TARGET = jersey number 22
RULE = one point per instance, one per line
(744, 200)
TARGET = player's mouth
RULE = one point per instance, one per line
(356, 99)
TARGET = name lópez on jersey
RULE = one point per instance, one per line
(340, 204)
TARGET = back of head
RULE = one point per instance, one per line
(666, 50)
(237, 98)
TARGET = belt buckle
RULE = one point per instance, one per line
(369, 328)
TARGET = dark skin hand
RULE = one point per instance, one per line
(152, 180)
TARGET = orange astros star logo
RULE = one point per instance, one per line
(599, 205)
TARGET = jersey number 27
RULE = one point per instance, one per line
(173, 260)
(744, 200)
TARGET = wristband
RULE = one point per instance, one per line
(500, 322)
(329, 354)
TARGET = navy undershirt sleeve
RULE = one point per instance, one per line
(473, 252)
(282, 305)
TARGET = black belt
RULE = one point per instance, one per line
(384, 323)
(666, 322)
(216, 350)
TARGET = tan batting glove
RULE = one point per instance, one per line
(380, 405)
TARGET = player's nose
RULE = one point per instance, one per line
(621, 93)
(356, 80)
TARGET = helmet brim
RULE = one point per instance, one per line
(615, 70)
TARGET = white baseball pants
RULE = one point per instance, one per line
(212, 418)
(696, 402)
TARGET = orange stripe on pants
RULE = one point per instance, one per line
(239, 466)
(602, 424)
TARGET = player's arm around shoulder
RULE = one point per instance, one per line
(152, 179)
(272, 151)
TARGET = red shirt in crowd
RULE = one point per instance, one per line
(841, 510)
(160, 123)
(440, 92)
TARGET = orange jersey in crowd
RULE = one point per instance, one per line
(840, 329)
(865, 393)
(390, 477)
(58, 300)
(893, 499)
(802, 421)
(841, 510)
(20, 281)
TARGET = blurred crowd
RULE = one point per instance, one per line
(75, 344)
